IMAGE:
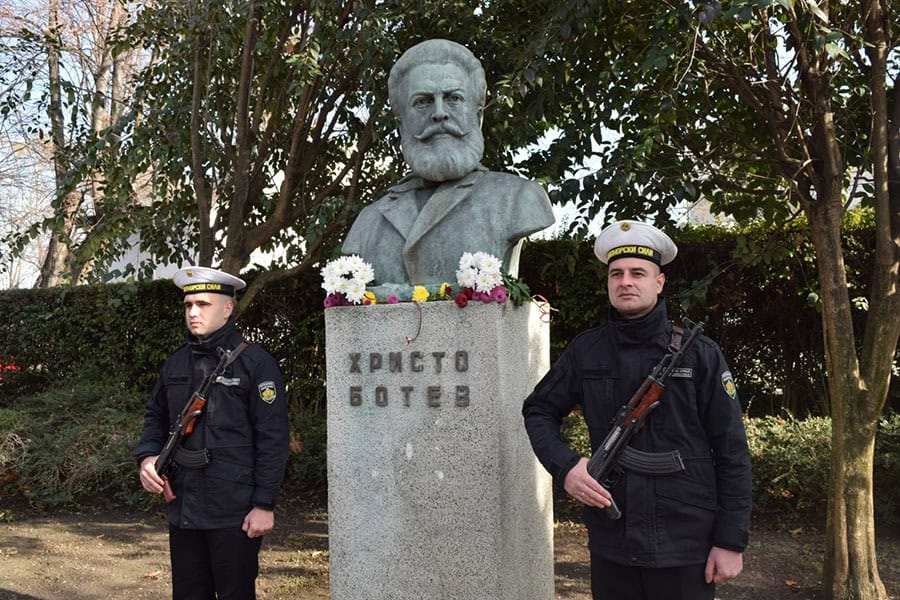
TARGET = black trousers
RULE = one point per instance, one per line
(210, 564)
(611, 581)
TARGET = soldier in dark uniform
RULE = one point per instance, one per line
(681, 532)
(230, 468)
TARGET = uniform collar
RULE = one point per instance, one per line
(218, 339)
(641, 328)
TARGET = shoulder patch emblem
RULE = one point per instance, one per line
(267, 392)
(728, 384)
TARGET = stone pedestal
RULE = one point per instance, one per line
(433, 490)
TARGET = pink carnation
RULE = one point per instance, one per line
(499, 294)
(336, 299)
(393, 299)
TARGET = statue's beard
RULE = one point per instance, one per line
(445, 157)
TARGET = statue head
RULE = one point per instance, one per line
(437, 90)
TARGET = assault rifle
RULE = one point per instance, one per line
(614, 453)
(184, 425)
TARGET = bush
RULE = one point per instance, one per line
(307, 473)
(71, 446)
(791, 461)
(887, 470)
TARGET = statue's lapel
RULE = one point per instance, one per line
(400, 209)
(444, 200)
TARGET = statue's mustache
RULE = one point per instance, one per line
(437, 128)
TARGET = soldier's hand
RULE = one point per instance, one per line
(151, 481)
(723, 565)
(584, 488)
(258, 522)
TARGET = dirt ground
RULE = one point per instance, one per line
(81, 557)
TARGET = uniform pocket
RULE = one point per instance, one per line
(686, 504)
(228, 405)
(229, 486)
(178, 393)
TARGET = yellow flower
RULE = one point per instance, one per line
(369, 298)
(445, 290)
(420, 294)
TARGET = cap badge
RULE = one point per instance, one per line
(625, 226)
(189, 273)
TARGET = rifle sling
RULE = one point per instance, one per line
(677, 335)
(237, 351)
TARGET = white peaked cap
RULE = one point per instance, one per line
(195, 280)
(634, 239)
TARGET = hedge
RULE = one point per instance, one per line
(756, 290)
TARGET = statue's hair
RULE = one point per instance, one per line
(440, 52)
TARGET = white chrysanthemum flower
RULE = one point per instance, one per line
(332, 282)
(466, 261)
(490, 264)
(364, 273)
(347, 275)
(478, 259)
(355, 291)
(466, 277)
(485, 282)
(354, 262)
(328, 270)
(479, 271)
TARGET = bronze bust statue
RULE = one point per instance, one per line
(449, 204)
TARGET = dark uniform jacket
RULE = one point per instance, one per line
(244, 426)
(667, 520)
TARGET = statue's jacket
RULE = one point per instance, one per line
(485, 211)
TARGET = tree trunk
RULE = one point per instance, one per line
(851, 569)
(107, 96)
(856, 382)
(202, 190)
(59, 254)
(236, 252)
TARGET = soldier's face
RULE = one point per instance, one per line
(206, 313)
(441, 123)
(634, 285)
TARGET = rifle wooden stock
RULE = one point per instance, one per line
(168, 494)
(647, 402)
(194, 410)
